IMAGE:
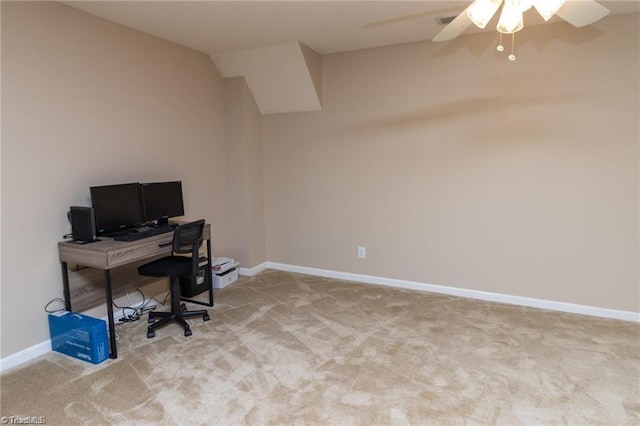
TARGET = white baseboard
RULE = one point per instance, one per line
(252, 271)
(25, 355)
(462, 292)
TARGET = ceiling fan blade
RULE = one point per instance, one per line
(454, 28)
(583, 12)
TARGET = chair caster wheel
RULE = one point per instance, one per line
(150, 334)
(205, 317)
(187, 332)
(183, 307)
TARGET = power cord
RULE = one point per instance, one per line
(136, 311)
(166, 296)
(57, 299)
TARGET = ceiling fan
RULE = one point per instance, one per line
(576, 12)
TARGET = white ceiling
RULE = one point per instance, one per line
(215, 27)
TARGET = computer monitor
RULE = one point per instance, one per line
(161, 201)
(116, 207)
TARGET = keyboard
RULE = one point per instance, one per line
(143, 234)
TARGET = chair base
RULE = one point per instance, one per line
(178, 313)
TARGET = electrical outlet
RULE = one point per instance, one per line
(362, 252)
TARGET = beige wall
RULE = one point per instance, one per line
(454, 166)
(87, 102)
(244, 165)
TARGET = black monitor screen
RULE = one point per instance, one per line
(162, 200)
(116, 206)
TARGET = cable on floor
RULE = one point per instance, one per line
(136, 311)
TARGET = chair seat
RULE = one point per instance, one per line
(170, 266)
(187, 238)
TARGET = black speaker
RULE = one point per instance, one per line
(83, 223)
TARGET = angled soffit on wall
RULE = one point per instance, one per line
(282, 78)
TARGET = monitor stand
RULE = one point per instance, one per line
(161, 223)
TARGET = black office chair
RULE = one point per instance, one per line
(187, 238)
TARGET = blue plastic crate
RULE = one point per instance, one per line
(79, 336)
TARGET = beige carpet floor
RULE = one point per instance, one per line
(285, 348)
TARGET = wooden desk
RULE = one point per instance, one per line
(108, 254)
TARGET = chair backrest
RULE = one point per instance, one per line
(187, 238)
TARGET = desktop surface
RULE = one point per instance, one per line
(109, 252)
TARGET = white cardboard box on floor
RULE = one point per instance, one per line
(223, 279)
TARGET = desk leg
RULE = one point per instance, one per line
(113, 354)
(65, 286)
(208, 274)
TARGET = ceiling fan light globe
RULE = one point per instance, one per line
(480, 12)
(524, 5)
(548, 8)
(510, 18)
